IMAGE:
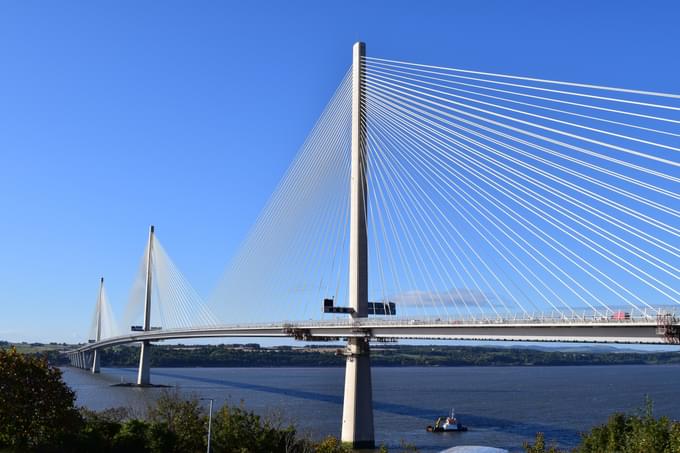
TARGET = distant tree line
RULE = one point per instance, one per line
(397, 355)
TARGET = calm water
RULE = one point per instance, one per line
(502, 406)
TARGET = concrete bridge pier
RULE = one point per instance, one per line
(143, 373)
(357, 409)
(95, 361)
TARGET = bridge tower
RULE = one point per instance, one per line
(357, 410)
(98, 335)
(143, 374)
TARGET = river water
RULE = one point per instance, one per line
(502, 406)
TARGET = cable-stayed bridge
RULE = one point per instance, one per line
(438, 203)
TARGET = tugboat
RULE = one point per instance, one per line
(446, 424)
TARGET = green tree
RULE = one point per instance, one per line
(236, 430)
(36, 408)
(539, 446)
(331, 444)
(674, 439)
(160, 438)
(182, 417)
(100, 428)
(132, 438)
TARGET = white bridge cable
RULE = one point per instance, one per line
(540, 98)
(109, 326)
(573, 280)
(623, 177)
(434, 100)
(452, 84)
(383, 93)
(290, 255)
(388, 209)
(416, 67)
(605, 200)
(650, 220)
(589, 225)
(376, 217)
(407, 247)
(299, 167)
(391, 92)
(439, 176)
(540, 215)
(386, 76)
(394, 181)
(134, 309)
(303, 265)
(391, 180)
(405, 143)
(179, 302)
(561, 181)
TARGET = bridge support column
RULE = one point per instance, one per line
(95, 361)
(357, 409)
(143, 374)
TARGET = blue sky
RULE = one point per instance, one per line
(116, 115)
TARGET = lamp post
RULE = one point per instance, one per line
(209, 419)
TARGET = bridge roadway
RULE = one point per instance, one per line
(632, 331)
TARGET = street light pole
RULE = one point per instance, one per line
(210, 408)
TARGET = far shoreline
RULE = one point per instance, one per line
(252, 355)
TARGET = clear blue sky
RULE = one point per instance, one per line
(116, 115)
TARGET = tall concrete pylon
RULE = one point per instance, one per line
(143, 374)
(98, 335)
(357, 409)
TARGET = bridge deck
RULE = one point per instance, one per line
(641, 331)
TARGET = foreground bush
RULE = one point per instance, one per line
(639, 433)
(36, 407)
